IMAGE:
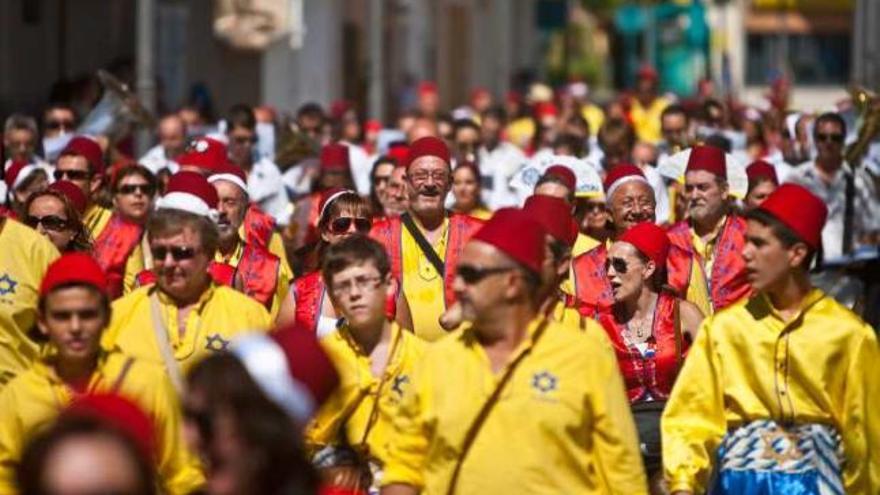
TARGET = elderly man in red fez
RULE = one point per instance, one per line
(705, 264)
(512, 371)
(425, 242)
(82, 162)
(777, 392)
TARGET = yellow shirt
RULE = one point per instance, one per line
(594, 116)
(24, 257)
(646, 121)
(135, 264)
(220, 315)
(423, 286)
(520, 131)
(701, 269)
(96, 218)
(562, 423)
(748, 364)
(282, 286)
(31, 401)
(356, 396)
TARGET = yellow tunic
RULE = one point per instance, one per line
(356, 396)
(423, 286)
(646, 121)
(24, 257)
(135, 264)
(594, 115)
(33, 399)
(282, 286)
(748, 364)
(701, 269)
(96, 218)
(562, 424)
(220, 315)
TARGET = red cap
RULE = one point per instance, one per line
(339, 107)
(800, 210)
(205, 153)
(479, 93)
(708, 158)
(73, 193)
(554, 214)
(73, 268)
(563, 173)
(620, 174)
(334, 157)
(16, 173)
(230, 173)
(650, 240)
(647, 72)
(760, 169)
(515, 233)
(120, 414)
(545, 109)
(373, 125)
(427, 88)
(190, 192)
(427, 146)
(399, 153)
(88, 149)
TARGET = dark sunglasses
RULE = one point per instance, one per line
(823, 137)
(244, 140)
(471, 274)
(59, 124)
(342, 224)
(70, 174)
(620, 265)
(50, 222)
(178, 253)
(145, 189)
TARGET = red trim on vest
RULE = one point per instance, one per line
(258, 226)
(145, 277)
(112, 248)
(309, 293)
(727, 282)
(591, 285)
(256, 275)
(636, 370)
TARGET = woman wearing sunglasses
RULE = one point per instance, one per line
(650, 329)
(468, 192)
(120, 250)
(342, 214)
(57, 212)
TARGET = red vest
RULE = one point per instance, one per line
(461, 228)
(591, 285)
(113, 247)
(727, 283)
(646, 374)
(258, 226)
(256, 274)
(309, 291)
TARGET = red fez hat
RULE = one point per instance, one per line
(73, 193)
(373, 125)
(621, 174)
(564, 174)
(427, 88)
(122, 415)
(339, 107)
(205, 153)
(334, 157)
(708, 158)
(647, 72)
(427, 146)
(545, 109)
(73, 268)
(190, 192)
(650, 240)
(16, 173)
(88, 149)
(291, 367)
(760, 169)
(399, 152)
(800, 210)
(230, 173)
(515, 233)
(554, 214)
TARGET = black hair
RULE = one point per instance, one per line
(787, 237)
(496, 112)
(829, 117)
(241, 115)
(674, 109)
(460, 124)
(719, 141)
(354, 250)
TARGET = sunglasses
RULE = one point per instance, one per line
(471, 274)
(59, 124)
(50, 222)
(342, 224)
(178, 253)
(827, 138)
(620, 265)
(145, 189)
(70, 174)
(244, 140)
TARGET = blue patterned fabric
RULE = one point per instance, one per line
(764, 458)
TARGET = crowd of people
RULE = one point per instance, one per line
(539, 295)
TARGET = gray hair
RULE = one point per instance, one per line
(20, 122)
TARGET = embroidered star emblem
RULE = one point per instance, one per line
(216, 343)
(7, 285)
(399, 382)
(544, 382)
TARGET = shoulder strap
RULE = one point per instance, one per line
(423, 243)
(480, 419)
(676, 326)
(849, 213)
(164, 345)
(126, 367)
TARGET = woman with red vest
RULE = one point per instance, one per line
(343, 213)
(649, 328)
(120, 249)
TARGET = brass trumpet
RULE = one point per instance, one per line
(867, 104)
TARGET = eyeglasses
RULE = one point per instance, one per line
(472, 274)
(54, 125)
(342, 224)
(50, 222)
(363, 284)
(437, 175)
(145, 189)
(620, 265)
(178, 253)
(827, 138)
(70, 174)
(242, 140)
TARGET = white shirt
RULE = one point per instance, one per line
(497, 167)
(266, 188)
(361, 166)
(155, 160)
(661, 196)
